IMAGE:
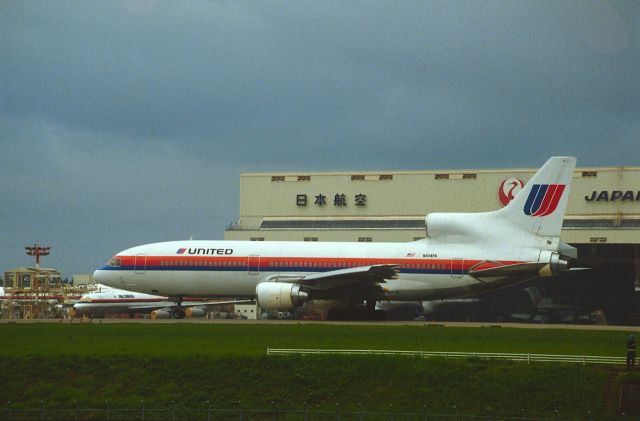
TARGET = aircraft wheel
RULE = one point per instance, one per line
(178, 314)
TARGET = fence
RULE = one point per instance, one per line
(581, 359)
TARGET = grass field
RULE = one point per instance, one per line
(214, 340)
(226, 365)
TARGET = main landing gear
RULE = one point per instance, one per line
(178, 313)
(357, 312)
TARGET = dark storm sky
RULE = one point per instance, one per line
(123, 123)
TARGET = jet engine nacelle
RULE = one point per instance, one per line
(554, 266)
(279, 296)
(195, 312)
(161, 314)
(452, 226)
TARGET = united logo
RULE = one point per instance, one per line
(543, 199)
(181, 251)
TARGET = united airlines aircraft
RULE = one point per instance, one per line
(464, 254)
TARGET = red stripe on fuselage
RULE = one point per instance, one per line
(273, 263)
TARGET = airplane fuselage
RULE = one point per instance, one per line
(235, 268)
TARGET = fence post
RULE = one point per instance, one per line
(173, 411)
(208, 411)
(584, 362)
(75, 409)
(108, 410)
(9, 409)
(42, 410)
(142, 403)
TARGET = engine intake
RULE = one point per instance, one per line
(195, 312)
(161, 314)
(280, 296)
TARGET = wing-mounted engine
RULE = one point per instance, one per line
(195, 312)
(280, 296)
(161, 314)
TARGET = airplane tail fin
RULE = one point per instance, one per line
(534, 217)
(540, 206)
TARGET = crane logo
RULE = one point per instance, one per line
(543, 199)
(508, 189)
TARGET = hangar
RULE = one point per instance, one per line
(602, 223)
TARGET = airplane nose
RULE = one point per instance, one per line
(97, 276)
(104, 277)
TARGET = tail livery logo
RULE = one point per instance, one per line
(543, 199)
(508, 189)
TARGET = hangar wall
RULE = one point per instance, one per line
(602, 222)
(604, 206)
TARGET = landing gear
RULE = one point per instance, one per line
(357, 313)
(178, 313)
(371, 309)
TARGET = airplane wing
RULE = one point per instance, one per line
(343, 277)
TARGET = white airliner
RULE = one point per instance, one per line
(463, 254)
(106, 300)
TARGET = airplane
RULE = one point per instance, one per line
(463, 255)
(107, 300)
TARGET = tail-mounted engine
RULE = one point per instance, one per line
(280, 296)
(554, 265)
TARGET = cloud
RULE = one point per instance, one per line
(128, 122)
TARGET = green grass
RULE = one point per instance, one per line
(214, 340)
(191, 364)
(321, 382)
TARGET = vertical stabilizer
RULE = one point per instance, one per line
(540, 206)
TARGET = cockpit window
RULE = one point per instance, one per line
(115, 262)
